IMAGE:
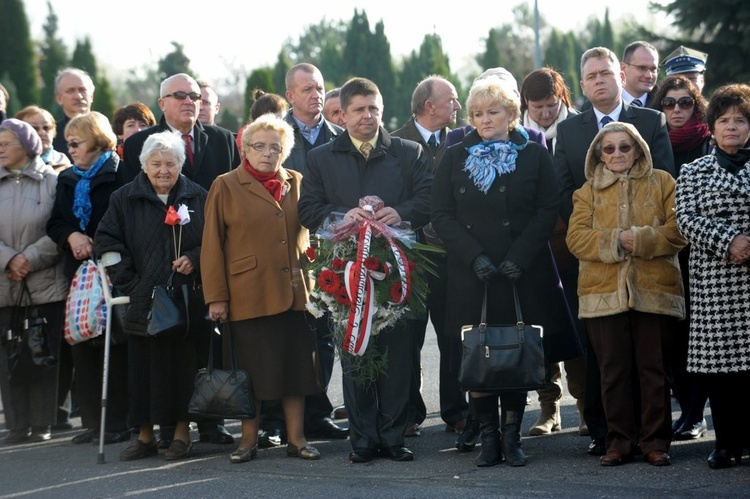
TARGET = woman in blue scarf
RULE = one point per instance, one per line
(494, 205)
(82, 197)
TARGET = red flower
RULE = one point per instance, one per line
(329, 282)
(395, 291)
(172, 217)
(411, 266)
(310, 252)
(372, 263)
(343, 298)
(338, 264)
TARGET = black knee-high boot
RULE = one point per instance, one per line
(512, 407)
(486, 411)
(467, 439)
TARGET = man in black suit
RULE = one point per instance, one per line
(434, 105)
(305, 91)
(602, 85)
(640, 67)
(210, 151)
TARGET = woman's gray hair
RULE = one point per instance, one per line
(163, 142)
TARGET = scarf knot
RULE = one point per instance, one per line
(273, 185)
(493, 158)
(82, 199)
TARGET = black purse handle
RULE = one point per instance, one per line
(216, 328)
(519, 318)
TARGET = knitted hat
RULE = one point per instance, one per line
(28, 137)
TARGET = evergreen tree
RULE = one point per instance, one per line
(279, 72)
(174, 62)
(104, 101)
(17, 58)
(54, 57)
(383, 73)
(83, 58)
(320, 44)
(261, 78)
(720, 28)
(561, 55)
(358, 54)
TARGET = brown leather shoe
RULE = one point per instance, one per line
(615, 458)
(658, 458)
(412, 429)
(340, 412)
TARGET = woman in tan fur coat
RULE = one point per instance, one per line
(623, 232)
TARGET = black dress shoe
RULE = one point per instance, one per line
(722, 458)
(361, 456)
(85, 437)
(397, 453)
(691, 432)
(217, 435)
(113, 437)
(272, 437)
(597, 448)
(325, 428)
(340, 412)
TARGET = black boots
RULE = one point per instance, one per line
(486, 411)
(467, 439)
(511, 428)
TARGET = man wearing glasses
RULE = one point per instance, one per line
(601, 83)
(209, 150)
(640, 67)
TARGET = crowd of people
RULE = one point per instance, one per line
(623, 228)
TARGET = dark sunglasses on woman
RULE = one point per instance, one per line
(684, 102)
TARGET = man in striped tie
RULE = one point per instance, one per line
(640, 68)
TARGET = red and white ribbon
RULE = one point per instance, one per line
(360, 287)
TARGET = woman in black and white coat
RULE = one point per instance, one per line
(713, 213)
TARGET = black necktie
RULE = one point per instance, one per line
(432, 143)
(636, 103)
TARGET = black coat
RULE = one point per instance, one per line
(297, 159)
(62, 222)
(513, 221)
(575, 134)
(134, 227)
(215, 152)
(338, 176)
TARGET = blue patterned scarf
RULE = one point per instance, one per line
(492, 158)
(82, 201)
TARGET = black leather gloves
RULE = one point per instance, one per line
(509, 270)
(484, 268)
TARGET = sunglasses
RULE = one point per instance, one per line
(624, 148)
(74, 145)
(684, 102)
(180, 95)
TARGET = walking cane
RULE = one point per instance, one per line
(107, 260)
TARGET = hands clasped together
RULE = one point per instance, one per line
(485, 270)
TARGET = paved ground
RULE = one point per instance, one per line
(558, 467)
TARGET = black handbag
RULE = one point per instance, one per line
(222, 393)
(25, 339)
(169, 314)
(502, 357)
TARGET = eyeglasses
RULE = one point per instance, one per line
(644, 69)
(261, 147)
(46, 128)
(669, 103)
(74, 144)
(610, 149)
(6, 145)
(180, 95)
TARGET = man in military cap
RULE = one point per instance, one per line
(688, 62)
